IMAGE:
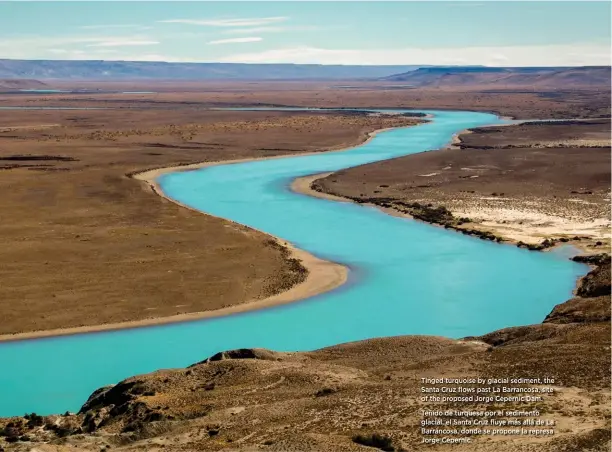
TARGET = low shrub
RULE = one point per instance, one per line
(381, 442)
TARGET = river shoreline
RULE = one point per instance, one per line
(154, 337)
(492, 227)
(303, 186)
(323, 276)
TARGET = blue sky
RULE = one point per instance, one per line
(436, 32)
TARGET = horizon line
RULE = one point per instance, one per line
(305, 64)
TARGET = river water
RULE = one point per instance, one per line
(406, 277)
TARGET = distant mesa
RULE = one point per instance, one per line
(123, 70)
(21, 75)
(500, 77)
(21, 84)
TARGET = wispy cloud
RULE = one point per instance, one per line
(236, 40)
(250, 22)
(107, 26)
(151, 57)
(277, 29)
(58, 41)
(465, 4)
(123, 43)
(70, 47)
(528, 55)
(66, 52)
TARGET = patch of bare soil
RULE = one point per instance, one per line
(526, 183)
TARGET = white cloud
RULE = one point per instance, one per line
(123, 43)
(118, 46)
(151, 57)
(499, 57)
(39, 47)
(248, 31)
(251, 22)
(68, 54)
(38, 41)
(235, 40)
(464, 4)
(552, 55)
(104, 27)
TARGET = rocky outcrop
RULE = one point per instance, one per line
(581, 310)
(119, 402)
(116, 395)
(593, 259)
(596, 282)
(244, 353)
(592, 303)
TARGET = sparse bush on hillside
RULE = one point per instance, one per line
(381, 442)
(325, 392)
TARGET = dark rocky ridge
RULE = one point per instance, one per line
(597, 282)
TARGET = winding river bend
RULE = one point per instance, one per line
(406, 277)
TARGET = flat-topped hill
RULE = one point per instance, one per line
(588, 76)
(121, 70)
(21, 84)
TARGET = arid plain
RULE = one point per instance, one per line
(83, 232)
(90, 245)
(525, 183)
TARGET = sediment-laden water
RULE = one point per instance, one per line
(406, 277)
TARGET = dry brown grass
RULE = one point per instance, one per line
(85, 245)
(504, 180)
(521, 103)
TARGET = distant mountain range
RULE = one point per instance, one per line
(122, 70)
(21, 84)
(536, 77)
(27, 74)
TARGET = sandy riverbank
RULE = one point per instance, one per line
(323, 275)
(509, 224)
(302, 186)
(456, 139)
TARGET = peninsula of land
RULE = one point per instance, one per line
(534, 184)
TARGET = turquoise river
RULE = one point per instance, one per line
(406, 277)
